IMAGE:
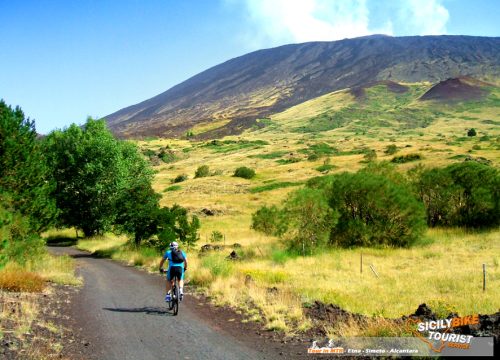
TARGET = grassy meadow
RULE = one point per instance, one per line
(328, 134)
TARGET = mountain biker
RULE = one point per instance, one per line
(177, 264)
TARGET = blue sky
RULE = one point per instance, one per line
(62, 61)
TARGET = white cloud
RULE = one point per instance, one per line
(427, 17)
(277, 22)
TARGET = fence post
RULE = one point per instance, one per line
(484, 277)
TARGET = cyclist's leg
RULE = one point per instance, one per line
(181, 282)
(169, 281)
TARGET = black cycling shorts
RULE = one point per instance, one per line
(175, 272)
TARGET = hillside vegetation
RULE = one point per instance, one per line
(340, 131)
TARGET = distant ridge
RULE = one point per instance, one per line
(240, 90)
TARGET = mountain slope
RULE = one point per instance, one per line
(268, 81)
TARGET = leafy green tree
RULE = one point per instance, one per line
(478, 204)
(174, 225)
(309, 220)
(374, 211)
(439, 194)
(138, 204)
(87, 163)
(24, 173)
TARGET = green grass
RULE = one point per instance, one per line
(325, 167)
(272, 155)
(274, 186)
(173, 188)
(229, 146)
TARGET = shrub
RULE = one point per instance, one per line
(325, 167)
(268, 220)
(180, 178)
(202, 171)
(471, 132)
(370, 155)
(244, 172)
(216, 236)
(374, 211)
(391, 149)
(308, 220)
(313, 157)
(406, 158)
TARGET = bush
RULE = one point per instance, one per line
(180, 178)
(464, 194)
(370, 155)
(202, 171)
(391, 149)
(308, 220)
(406, 158)
(471, 132)
(244, 172)
(374, 211)
(268, 220)
(216, 236)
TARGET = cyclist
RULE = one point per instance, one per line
(177, 264)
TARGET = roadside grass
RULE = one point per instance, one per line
(438, 274)
(15, 278)
(18, 312)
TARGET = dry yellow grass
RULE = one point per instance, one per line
(14, 278)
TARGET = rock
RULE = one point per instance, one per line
(233, 256)
(236, 246)
(425, 312)
(206, 247)
(208, 212)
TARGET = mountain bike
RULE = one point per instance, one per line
(173, 304)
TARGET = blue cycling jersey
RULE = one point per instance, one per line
(168, 256)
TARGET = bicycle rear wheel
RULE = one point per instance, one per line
(175, 298)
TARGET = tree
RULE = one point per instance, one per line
(87, 163)
(374, 211)
(478, 204)
(138, 204)
(463, 194)
(24, 173)
(174, 225)
(309, 220)
(439, 194)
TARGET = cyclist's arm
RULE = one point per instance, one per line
(162, 262)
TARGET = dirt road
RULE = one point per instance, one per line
(121, 312)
